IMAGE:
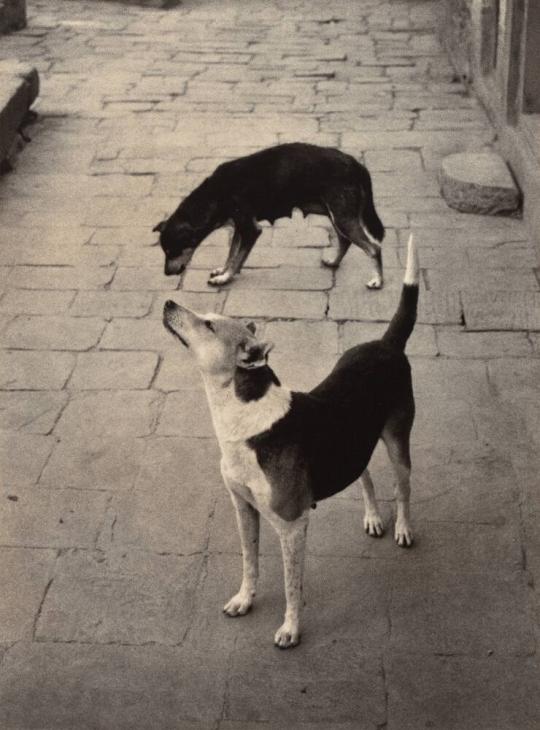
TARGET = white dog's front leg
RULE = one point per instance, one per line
(292, 536)
(248, 526)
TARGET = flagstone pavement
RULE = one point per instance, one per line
(118, 543)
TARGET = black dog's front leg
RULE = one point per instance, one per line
(244, 237)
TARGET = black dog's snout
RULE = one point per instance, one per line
(169, 304)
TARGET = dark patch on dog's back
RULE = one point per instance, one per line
(335, 428)
(252, 384)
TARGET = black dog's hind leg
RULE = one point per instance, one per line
(244, 237)
(354, 232)
(349, 229)
(334, 257)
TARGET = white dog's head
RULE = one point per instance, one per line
(219, 344)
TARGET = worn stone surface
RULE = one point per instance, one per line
(110, 463)
(118, 543)
(477, 182)
(128, 599)
(132, 686)
(112, 370)
(25, 575)
(463, 692)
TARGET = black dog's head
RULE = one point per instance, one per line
(181, 233)
(178, 239)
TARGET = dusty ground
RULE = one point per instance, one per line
(118, 542)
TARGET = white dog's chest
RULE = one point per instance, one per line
(241, 468)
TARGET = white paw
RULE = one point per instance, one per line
(219, 279)
(375, 283)
(239, 605)
(287, 636)
(373, 525)
(217, 272)
(330, 261)
(403, 534)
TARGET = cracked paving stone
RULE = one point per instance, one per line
(134, 598)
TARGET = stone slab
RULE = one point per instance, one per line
(462, 693)
(110, 464)
(173, 498)
(178, 371)
(24, 575)
(112, 304)
(291, 304)
(422, 342)
(501, 310)
(186, 413)
(454, 342)
(478, 183)
(279, 278)
(319, 683)
(26, 301)
(304, 338)
(125, 687)
(53, 333)
(31, 412)
(437, 307)
(46, 518)
(22, 457)
(134, 598)
(61, 277)
(127, 333)
(446, 622)
(27, 370)
(102, 413)
(111, 370)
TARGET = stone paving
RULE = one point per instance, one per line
(118, 544)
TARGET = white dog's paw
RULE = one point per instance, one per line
(330, 260)
(239, 605)
(287, 636)
(220, 278)
(373, 525)
(375, 282)
(217, 272)
(403, 534)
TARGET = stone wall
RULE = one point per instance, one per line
(12, 15)
(456, 34)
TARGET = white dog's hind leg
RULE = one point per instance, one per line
(373, 523)
(292, 536)
(247, 518)
(398, 452)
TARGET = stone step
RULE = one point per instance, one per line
(19, 87)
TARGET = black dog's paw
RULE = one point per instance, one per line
(219, 277)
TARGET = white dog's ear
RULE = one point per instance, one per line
(253, 354)
(252, 327)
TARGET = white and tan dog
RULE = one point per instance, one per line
(283, 451)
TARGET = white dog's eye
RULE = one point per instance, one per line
(209, 325)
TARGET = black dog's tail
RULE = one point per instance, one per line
(369, 215)
(402, 323)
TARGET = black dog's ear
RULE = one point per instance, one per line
(160, 226)
(252, 327)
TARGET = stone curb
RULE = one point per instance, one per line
(19, 87)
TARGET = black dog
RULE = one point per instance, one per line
(268, 185)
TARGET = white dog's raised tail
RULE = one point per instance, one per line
(412, 270)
